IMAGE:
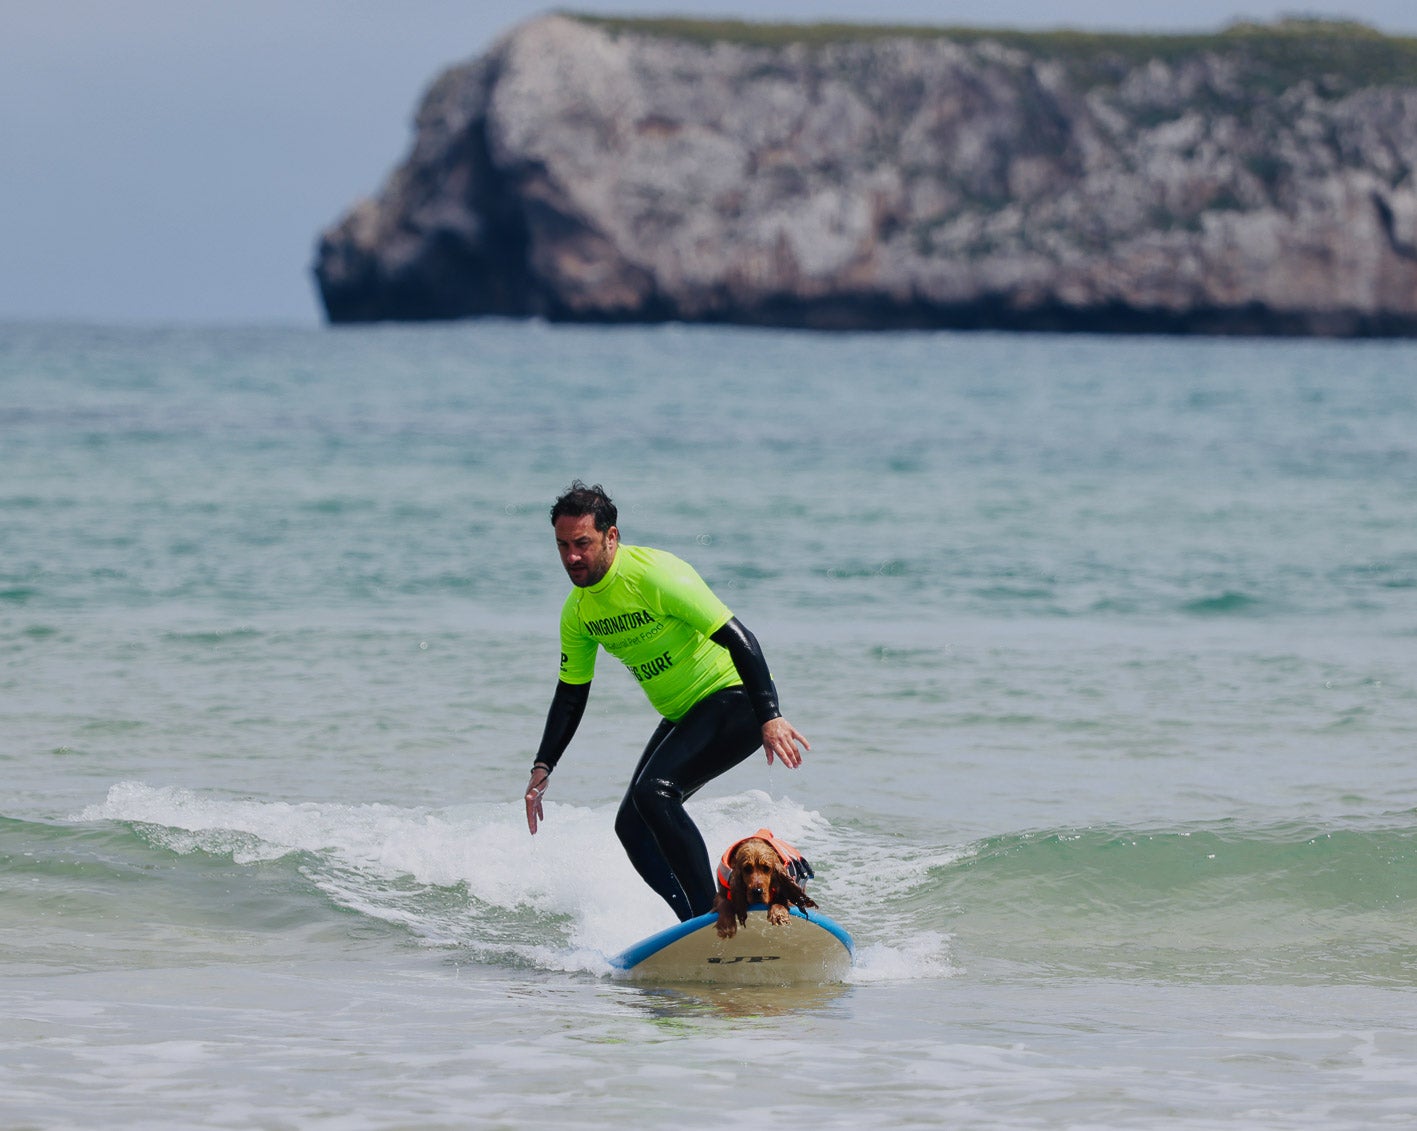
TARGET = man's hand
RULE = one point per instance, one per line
(781, 738)
(534, 791)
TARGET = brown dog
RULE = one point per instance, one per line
(757, 876)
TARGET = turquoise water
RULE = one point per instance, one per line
(1105, 649)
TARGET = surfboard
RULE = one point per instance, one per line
(804, 949)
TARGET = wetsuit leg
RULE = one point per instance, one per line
(663, 844)
(639, 842)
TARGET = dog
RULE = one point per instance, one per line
(760, 869)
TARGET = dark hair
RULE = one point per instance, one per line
(578, 500)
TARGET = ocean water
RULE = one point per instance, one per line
(1105, 648)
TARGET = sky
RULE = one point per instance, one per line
(172, 162)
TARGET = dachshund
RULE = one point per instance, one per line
(757, 874)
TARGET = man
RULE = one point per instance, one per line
(701, 669)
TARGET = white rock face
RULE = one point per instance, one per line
(576, 172)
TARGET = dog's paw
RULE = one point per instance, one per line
(727, 930)
(778, 915)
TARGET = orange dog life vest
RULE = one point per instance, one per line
(793, 862)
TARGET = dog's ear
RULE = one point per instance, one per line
(790, 892)
(738, 895)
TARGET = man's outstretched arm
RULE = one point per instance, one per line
(562, 719)
(780, 738)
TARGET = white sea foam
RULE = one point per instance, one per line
(571, 882)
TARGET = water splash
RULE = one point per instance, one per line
(469, 877)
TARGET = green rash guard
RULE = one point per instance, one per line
(655, 615)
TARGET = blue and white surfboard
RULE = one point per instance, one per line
(804, 949)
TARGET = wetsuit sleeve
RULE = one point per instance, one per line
(752, 668)
(564, 716)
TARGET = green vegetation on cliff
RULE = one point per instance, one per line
(1338, 55)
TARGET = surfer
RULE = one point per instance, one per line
(701, 668)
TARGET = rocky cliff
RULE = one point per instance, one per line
(1256, 181)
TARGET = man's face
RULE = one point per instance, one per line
(585, 551)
